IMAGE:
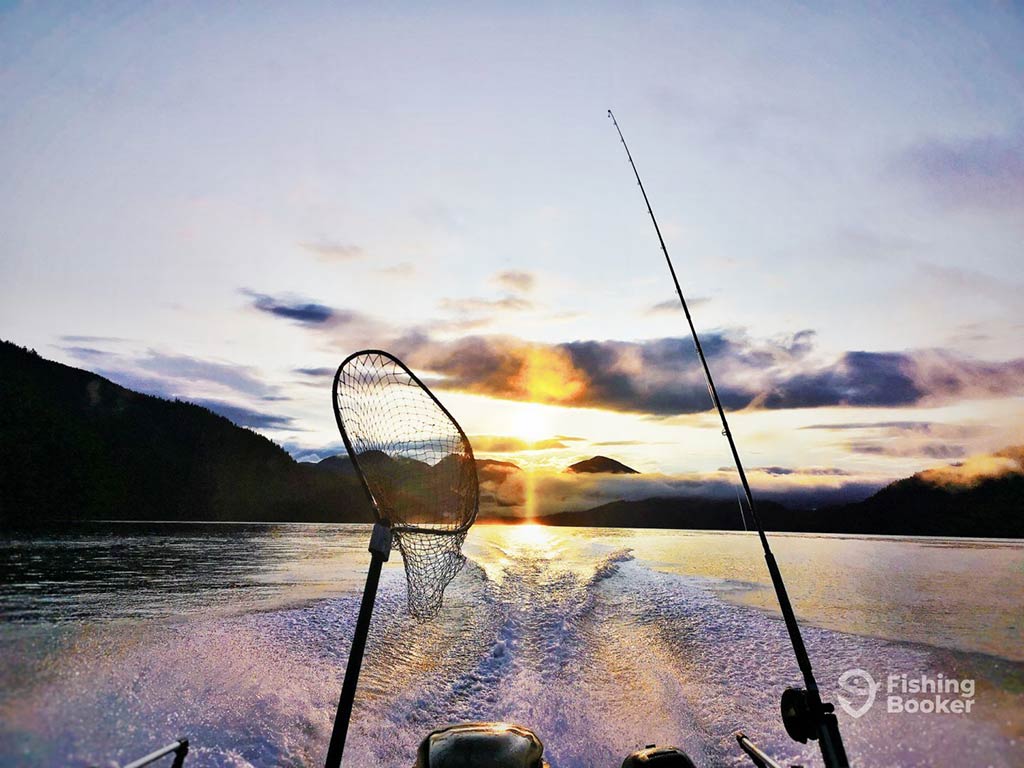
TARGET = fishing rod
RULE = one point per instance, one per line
(804, 714)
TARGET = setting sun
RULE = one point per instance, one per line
(532, 424)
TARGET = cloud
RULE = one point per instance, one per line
(659, 376)
(502, 486)
(909, 426)
(92, 339)
(476, 312)
(919, 377)
(239, 378)
(332, 251)
(297, 310)
(799, 471)
(468, 305)
(976, 335)
(503, 444)
(551, 444)
(669, 305)
(977, 468)
(194, 380)
(170, 389)
(84, 353)
(662, 377)
(345, 324)
(776, 471)
(170, 376)
(301, 452)
(904, 429)
(510, 491)
(945, 375)
(857, 378)
(888, 448)
(905, 439)
(979, 171)
(246, 417)
(496, 444)
(137, 382)
(673, 306)
(460, 325)
(501, 367)
(314, 372)
(516, 281)
(823, 472)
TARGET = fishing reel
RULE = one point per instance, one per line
(806, 716)
(798, 715)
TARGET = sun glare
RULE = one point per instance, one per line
(533, 537)
(531, 424)
(549, 376)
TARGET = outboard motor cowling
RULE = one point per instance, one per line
(481, 745)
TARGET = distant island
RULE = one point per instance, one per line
(600, 464)
(78, 447)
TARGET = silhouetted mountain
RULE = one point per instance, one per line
(601, 464)
(340, 464)
(76, 446)
(376, 458)
(988, 507)
(683, 512)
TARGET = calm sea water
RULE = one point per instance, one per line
(119, 638)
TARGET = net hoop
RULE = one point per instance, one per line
(415, 464)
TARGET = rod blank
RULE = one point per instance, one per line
(827, 728)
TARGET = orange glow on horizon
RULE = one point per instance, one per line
(547, 375)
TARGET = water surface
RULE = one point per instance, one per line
(119, 638)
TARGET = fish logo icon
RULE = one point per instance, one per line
(857, 682)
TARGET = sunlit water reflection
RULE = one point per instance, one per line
(116, 639)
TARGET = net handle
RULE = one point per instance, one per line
(355, 459)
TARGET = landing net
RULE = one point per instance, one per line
(416, 464)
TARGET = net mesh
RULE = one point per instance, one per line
(417, 464)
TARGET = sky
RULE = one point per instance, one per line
(219, 202)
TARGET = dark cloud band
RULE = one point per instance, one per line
(305, 313)
(662, 377)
